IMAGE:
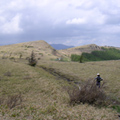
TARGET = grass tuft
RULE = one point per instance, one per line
(8, 74)
(12, 100)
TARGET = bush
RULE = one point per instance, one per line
(8, 74)
(88, 93)
(32, 59)
(75, 57)
(12, 100)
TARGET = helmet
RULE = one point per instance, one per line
(98, 73)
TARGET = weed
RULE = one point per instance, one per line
(8, 74)
(14, 100)
(20, 56)
(117, 108)
(12, 58)
(41, 54)
(11, 101)
(15, 115)
(4, 57)
(49, 110)
(27, 77)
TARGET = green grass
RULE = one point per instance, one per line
(116, 107)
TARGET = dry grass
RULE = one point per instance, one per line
(78, 50)
(88, 93)
(43, 96)
(23, 50)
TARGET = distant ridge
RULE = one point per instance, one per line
(43, 50)
(60, 46)
(80, 49)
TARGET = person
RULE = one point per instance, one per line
(98, 80)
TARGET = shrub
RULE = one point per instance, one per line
(88, 93)
(27, 58)
(14, 100)
(32, 59)
(12, 58)
(4, 57)
(27, 77)
(41, 54)
(8, 74)
(75, 57)
(20, 55)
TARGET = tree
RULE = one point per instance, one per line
(81, 58)
(32, 60)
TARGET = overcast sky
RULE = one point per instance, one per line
(69, 22)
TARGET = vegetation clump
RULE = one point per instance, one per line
(8, 74)
(12, 100)
(88, 93)
(32, 59)
(105, 54)
(75, 57)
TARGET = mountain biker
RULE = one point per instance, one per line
(98, 80)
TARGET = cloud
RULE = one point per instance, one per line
(12, 26)
(74, 22)
(110, 29)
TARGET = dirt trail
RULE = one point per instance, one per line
(60, 75)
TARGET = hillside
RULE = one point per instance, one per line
(80, 49)
(41, 48)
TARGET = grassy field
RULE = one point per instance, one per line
(43, 96)
(109, 71)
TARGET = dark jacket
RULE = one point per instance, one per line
(98, 79)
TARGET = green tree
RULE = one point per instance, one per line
(81, 58)
(32, 60)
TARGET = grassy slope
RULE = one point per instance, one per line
(41, 49)
(44, 96)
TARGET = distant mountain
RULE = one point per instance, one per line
(60, 46)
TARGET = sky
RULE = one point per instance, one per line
(69, 22)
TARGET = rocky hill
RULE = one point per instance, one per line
(80, 49)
